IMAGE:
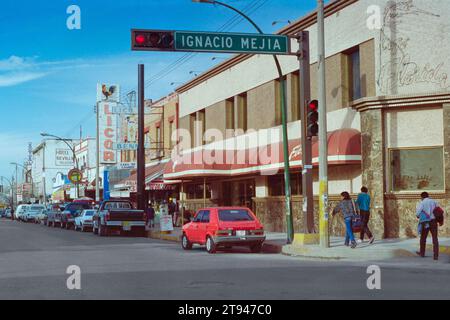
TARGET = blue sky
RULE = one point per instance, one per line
(48, 74)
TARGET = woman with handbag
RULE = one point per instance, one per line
(349, 209)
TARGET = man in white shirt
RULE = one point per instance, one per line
(428, 223)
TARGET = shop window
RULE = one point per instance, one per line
(420, 169)
(276, 185)
(195, 191)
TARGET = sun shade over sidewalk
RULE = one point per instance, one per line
(344, 147)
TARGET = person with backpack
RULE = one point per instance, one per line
(363, 202)
(349, 210)
(427, 223)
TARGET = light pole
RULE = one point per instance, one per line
(323, 141)
(72, 148)
(287, 178)
(31, 176)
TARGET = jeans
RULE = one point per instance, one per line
(348, 231)
(424, 235)
(365, 216)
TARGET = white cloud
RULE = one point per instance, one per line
(15, 78)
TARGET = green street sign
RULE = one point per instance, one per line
(231, 42)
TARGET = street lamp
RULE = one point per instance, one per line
(72, 148)
(31, 176)
(287, 178)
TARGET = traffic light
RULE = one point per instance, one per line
(312, 125)
(152, 40)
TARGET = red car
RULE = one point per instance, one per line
(224, 227)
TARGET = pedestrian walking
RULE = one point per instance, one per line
(363, 202)
(427, 223)
(151, 216)
(349, 210)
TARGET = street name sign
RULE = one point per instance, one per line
(231, 42)
(215, 42)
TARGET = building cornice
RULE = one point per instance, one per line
(384, 102)
(294, 28)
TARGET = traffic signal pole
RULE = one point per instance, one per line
(323, 140)
(305, 96)
(141, 143)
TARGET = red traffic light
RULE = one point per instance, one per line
(313, 105)
(140, 39)
(152, 40)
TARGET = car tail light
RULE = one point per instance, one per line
(224, 232)
(257, 232)
(145, 217)
(107, 217)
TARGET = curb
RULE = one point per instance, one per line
(442, 249)
(307, 253)
(268, 247)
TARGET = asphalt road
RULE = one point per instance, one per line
(34, 260)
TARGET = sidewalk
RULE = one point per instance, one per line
(380, 250)
(273, 244)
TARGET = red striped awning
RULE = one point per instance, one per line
(344, 147)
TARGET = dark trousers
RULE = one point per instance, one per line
(424, 235)
(365, 217)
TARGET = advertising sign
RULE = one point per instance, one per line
(127, 165)
(107, 92)
(107, 133)
(63, 158)
(165, 220)
(75, 176)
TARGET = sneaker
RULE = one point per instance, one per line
(354, 245)
(419, 254)
(371, 240)
(359, 241)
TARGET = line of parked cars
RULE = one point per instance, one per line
(219, 227)
(108, 218)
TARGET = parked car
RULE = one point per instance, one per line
(33, 211)
(119, 215)
(41, 218)
(19, 214)
(2, 213)
(84, 220)
(8, 213)
(224, 227)
(54, 217)
(71, 211)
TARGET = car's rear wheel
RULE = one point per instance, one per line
(210, 245)
(185, 243)
(256, 248)
(102, 231)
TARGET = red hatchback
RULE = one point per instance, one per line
(224, 227)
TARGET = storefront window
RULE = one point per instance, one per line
(195, 191)
(276, 185)
(417, 169)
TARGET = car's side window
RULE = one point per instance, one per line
(205, 218)
(199, 217)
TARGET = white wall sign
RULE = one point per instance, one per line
(63, 158)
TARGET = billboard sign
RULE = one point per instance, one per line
(108, 92)
(107, 133)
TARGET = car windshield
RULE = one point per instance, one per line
(235, 215)
(89, 213)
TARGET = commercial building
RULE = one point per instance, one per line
(388, 102)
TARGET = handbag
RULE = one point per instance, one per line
(439, 215)
(357, 223)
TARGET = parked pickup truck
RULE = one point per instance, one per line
(119, 216)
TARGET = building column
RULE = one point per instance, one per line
(446, 202)
(373, 177)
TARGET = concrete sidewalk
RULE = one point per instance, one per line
(380, 250)
(273, 244)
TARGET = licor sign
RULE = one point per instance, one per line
(107, 132)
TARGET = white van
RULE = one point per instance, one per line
(21, 210)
